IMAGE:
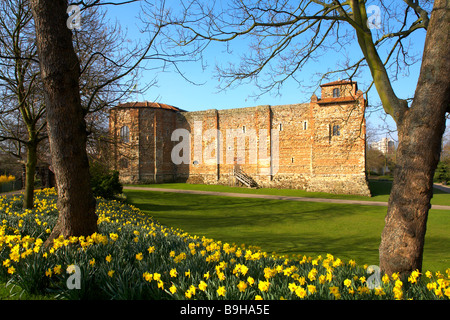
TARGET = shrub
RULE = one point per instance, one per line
(105, 183)
(442, 173)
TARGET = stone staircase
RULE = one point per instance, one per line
(244, 178)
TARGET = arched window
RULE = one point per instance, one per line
(125, 134)
(336, 130)
(336, 93)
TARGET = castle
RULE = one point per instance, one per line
(316, 146)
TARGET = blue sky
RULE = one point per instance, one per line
(172, 89)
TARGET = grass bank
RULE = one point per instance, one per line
(285, 227)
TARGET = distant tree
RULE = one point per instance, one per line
(375, 160)
(285, 35)
(103, 64)
(22, 106)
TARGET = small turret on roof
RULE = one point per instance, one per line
(339, 91)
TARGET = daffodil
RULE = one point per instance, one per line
(11, 270)
(292, 287)
(311, 288)
(202, 286)
(413, 276)
(57, 269)
(147, 276)
(173, 273)
(447, 292)
(312, 274)
(173, 289)
(363, 290)
(221, 291)
(300, 292)
(242, 286)
(221, 276)
(379, 292)
(6, 263)
(263, 285)
(347, 283)
(322, 279)
(335, 291)
(156, 276)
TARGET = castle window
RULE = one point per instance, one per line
(336, 93)
(336, 130)
(243, 129)
(305, 125)
(281, 127)
(125, 134)
(123, 163)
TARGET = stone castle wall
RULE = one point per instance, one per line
(316, 146)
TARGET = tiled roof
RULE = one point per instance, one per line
(147, 104)
(337, 100)
(337, 82)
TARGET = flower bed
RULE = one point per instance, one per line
(134, 257)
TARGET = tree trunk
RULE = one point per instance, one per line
(60, 71)
(420, 133)
(30, 171)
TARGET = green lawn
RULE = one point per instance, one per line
(288, 227)
(380, 190)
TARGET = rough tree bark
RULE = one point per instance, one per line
(30, 171)
(420, 130)
(60, 71)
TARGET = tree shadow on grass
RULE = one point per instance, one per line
(209, 212)
(286, 227)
